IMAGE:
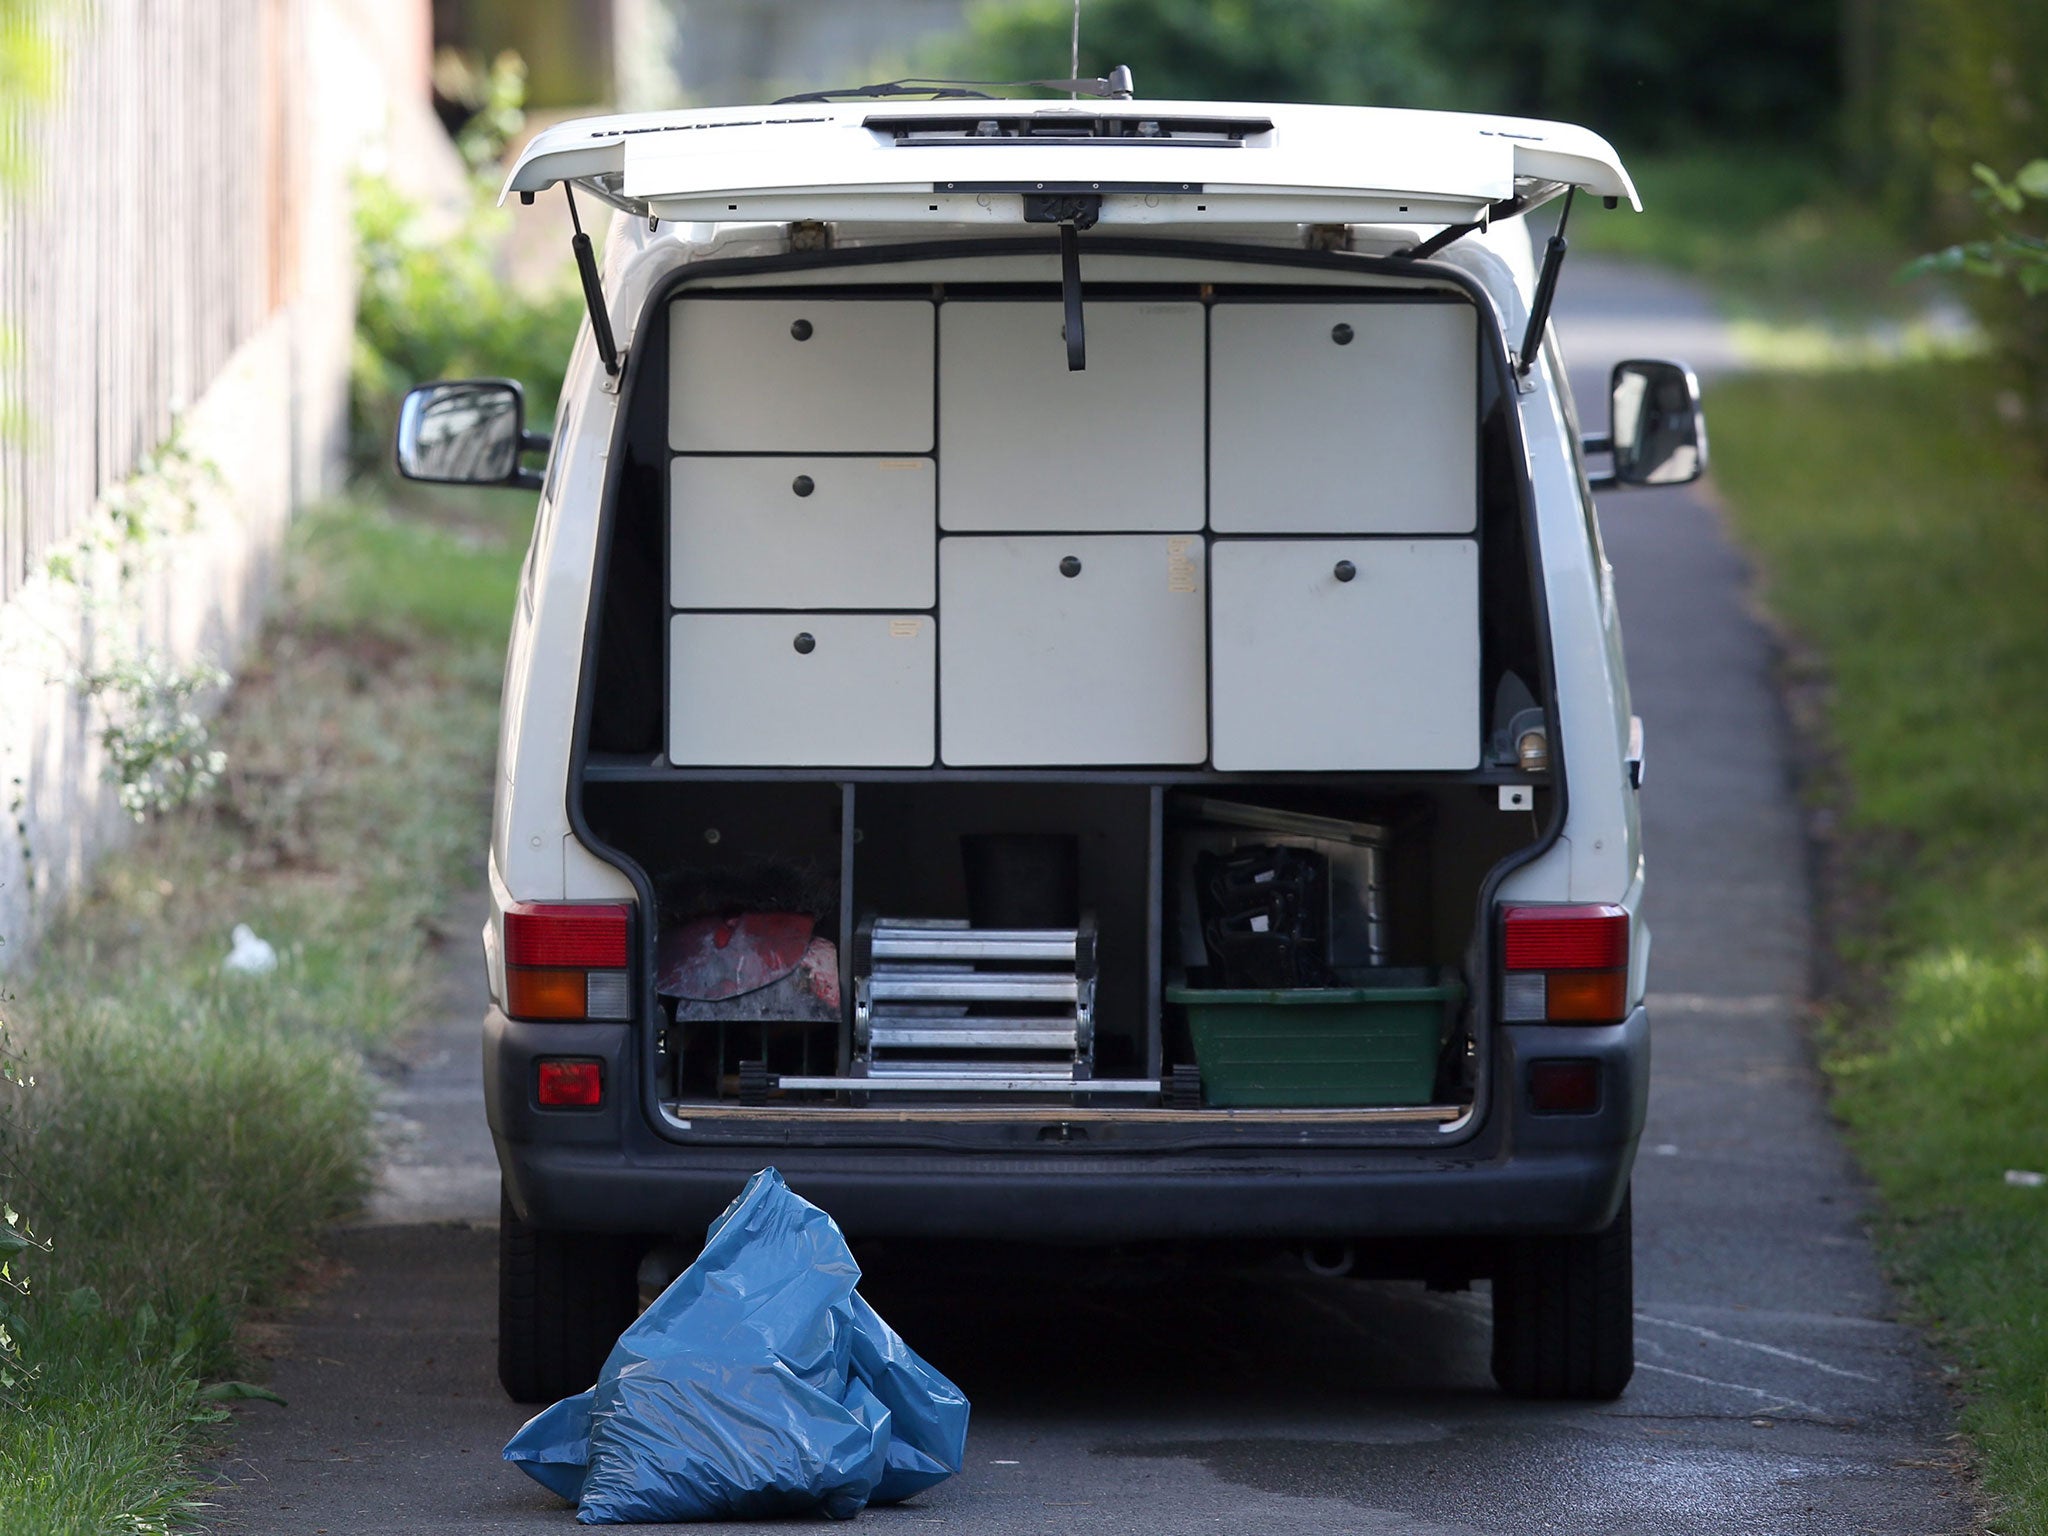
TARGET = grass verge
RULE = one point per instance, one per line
(190, 1132)
(1777, 235)
(1903, 530)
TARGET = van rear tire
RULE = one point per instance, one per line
(1564, 1314)
(563, 1300)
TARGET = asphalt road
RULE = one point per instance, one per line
(1774, 1392)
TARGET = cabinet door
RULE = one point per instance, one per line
(1314, 671)
(1029, 446)
(1072, 650)
(1344, 418)
(800, 690)
(801, 533)
(796, 375)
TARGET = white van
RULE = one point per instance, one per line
(1066, 689)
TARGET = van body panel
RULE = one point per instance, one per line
(640, 1166)
(1524, 1174)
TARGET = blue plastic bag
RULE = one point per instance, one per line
(759, 1383)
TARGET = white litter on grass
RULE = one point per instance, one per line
(250, 956)
(2025, 1178)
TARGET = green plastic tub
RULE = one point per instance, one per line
(1345, 1047)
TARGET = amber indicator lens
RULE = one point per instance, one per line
(544, 993)
(1588, 997)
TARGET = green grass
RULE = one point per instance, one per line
(1777, 235)
(191, 1132)
(1903, 532)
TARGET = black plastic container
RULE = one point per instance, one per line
(1022, 879)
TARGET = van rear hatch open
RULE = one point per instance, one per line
(1201, 165)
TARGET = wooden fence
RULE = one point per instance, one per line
(151, 235)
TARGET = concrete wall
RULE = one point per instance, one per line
(272, 422)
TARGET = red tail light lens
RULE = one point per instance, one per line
(567, 960)
(1567, 938)
(558, 934)
(1565, 965)
(561, 1084)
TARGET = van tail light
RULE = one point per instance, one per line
(562, 1082)
(1565, 965)
(567, 961)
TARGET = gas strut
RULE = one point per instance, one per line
(1546, 290)
(593, 291)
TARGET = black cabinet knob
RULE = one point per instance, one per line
(1345, 570)
(800, 329)
(1341, 334)
(804, 644)
(803, 485)
(1069, 566)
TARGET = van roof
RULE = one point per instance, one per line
(953, 162)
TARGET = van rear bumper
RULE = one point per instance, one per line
(1522, 1174)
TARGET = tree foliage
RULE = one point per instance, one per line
(2012, 250)
(1953, 94)
(1647, 75)
(1217, 50)
(28, 70)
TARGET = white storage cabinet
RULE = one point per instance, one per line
(795, 375)
(1027, 446)
(1072, 650)
(1345, 654)
(1343, 417)
(801, 690)
(801, 532)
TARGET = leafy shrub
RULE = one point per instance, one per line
(436, 302)
(2010, 250)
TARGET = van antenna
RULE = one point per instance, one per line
(593, 291)
(1074, 57)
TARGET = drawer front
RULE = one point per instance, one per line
(801, 533)
(809, 690)
(1343, 418)
(794, 375)
(1313, 672)
(1103, 666)
(1029, 446)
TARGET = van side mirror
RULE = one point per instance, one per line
(467, 432)
(1658, 434)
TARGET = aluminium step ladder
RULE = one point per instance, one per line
(941, 1007)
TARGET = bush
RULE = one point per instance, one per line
(1950, 85)
(437, 302)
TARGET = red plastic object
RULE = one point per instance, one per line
(713, 958)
